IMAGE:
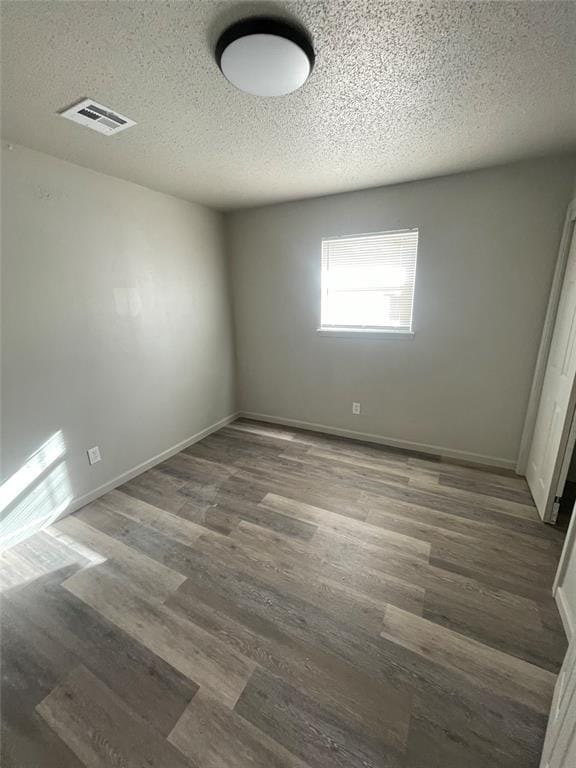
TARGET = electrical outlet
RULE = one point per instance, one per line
(94, 454)
(356, 409)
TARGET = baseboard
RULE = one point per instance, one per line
(568, 620)
(433, 450)
(81, 501)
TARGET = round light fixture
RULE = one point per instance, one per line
(265, 57)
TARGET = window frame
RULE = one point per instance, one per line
(367, 332)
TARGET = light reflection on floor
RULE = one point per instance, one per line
(36, 494)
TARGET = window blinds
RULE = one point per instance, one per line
(368, 281)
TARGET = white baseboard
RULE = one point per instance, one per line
(81, 501)
(568, 619)
(436, 450)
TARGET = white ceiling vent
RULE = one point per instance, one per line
(98, 117)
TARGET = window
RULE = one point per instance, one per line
(368, 282)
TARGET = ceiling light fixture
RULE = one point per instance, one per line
(264, 56)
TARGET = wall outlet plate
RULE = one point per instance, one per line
(356, 409)
(94, 454)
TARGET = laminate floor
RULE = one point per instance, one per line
(272, 598)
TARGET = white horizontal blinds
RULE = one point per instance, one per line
(368, 280)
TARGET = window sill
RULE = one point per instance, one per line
(364, 333)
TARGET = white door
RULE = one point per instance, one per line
(556, 408)
(560, 744)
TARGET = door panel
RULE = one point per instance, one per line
(560, 744)
(556, 407)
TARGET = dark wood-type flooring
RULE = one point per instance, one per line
(272, 598)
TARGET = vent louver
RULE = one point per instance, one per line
(98, 117)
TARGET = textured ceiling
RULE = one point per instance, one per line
(401, 90)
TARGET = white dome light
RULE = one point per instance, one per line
(265, 57)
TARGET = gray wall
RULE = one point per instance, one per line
(116, 318)
(488, 244)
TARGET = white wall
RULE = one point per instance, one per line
(488, 243)
(116, 319)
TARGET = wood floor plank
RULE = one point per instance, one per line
(188, 648)
(292, 615)
(498, 672)
(341, 524)
(192, 469)
(99, 728)
(283, 598)
(392, 466)
(264, 430)
(343, 477)
(209, 515)
(394, 663)
(31, 743)
(32, 661)
(213, 736)
(392, 572)
(498, 580)
(317, 587)
(160, 520)
(347, 469)
(237, 508)
(445, 731)
(146, 575)
(150, 686)
(498, 628)
(512, 566)
(220, 548)
(281, 560)
(438, 525)
(159, 489)
(378, 585)
(450, 710)
(302, 620)
(496, 475)
(32, 664)
(334, 551)
(521, 495)
(226, 450)
(221, 507)
(308, 730)
(465, 492)
(37, 556)
(521, 519)
(330, 496)
(372, 706)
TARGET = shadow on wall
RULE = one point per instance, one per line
(35, 495)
